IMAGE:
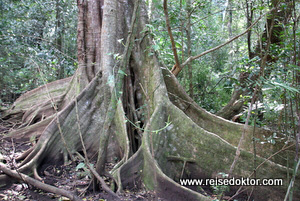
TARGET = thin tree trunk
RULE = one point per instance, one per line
(59, 40)
(189, 47)
(249, 15)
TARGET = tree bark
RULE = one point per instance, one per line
(171, 125)
(59, 29)
(189, 47)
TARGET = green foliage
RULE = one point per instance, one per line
(217, 74)
(82, 170)
(208, 30)
(220, 190)
(28, 36)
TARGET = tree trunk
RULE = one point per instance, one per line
(189, 47)
(59, 43)
(156, 127)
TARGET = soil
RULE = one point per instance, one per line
(73, 177)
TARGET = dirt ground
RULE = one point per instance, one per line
(73, 177)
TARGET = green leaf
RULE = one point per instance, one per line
(178, 45)
(151, 27)
(122, 72)
(22, 197)
(155, 47)
(261, 7)
(80, 166)
(285, 86)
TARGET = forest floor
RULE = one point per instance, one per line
(73, 177)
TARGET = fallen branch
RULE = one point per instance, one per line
(98, 177)
(38, 184)
(291, 185)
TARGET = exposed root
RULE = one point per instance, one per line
(38, 184)
(30, 162)
(24, 154)
(36, 174)
(26, 133)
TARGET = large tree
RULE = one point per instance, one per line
(123, 104)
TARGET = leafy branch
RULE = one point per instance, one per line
(175, 70)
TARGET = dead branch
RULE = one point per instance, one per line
(38, 184)
(98, 177)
